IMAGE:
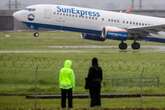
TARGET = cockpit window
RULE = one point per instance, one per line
(30, 9)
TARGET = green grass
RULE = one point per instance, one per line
(21, 102)
(18, 70)
(18, 73)
(25, 40)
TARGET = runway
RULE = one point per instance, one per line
(149, 47)
(40, 51)
(155, 48)
(87, 49)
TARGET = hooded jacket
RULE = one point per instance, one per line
(66, 76)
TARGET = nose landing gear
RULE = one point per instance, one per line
(36, 34)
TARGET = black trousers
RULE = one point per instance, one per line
(66, 93)
(95, 97)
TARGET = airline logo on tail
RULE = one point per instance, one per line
(77, 11)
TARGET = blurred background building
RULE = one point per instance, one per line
(106, 4)
(144, 7)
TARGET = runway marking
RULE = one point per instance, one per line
(148, 48)
(83, 49)
(101, 47)
(39, 51)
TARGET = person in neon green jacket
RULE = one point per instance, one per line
(66, 83)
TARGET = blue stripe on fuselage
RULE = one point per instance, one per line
(57, 27)
(154, 39)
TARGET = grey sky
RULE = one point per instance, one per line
(102, 4)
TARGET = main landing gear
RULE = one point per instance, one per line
(135, 45)
(123, 46)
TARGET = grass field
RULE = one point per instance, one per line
(28, 65)
(80, 104)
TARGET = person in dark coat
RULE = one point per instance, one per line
(94, 83)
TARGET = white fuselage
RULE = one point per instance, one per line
(81, 19)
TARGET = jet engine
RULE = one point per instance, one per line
(93, 37)
(115, 33)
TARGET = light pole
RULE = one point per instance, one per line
(16, 4)
(140, 4)
(133, 4)
(9, 5)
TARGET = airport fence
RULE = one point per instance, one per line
(133, 81)
(40, 76)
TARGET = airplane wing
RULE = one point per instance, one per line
(147, 30)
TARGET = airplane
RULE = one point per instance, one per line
(94, 24)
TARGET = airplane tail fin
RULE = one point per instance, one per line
(129, 10)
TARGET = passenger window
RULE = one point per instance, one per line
(139, 24)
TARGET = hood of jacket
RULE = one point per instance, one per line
(67, 63)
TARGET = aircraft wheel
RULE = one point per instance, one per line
(123, 46)
(135, 45)
(36, 34)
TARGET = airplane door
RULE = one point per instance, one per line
(52, 18)
(60, 19)
(47, 13)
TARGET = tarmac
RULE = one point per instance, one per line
(85, 49)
